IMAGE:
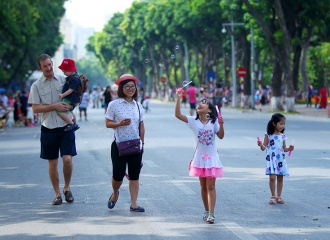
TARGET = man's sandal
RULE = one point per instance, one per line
(279, 200)
(272, 200)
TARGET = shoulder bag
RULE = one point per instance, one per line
(130, 147)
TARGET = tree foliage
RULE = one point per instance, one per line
(181, 40)
(28, 29)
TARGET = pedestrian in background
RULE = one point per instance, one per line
(83, 105)
(4, 114)
(316, 100)
(310, 96)
(107, 97)
(192, 94)
(146, 103)
(184, 97)
(275, 145)
(206, 163)
(324, 98)
(54, 139)
(24, 107)
(94, 96)
(125, 115)
(18, 120)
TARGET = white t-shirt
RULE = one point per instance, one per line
(120, 109)
(206, 154)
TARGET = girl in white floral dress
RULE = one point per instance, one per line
(206, 163)
(275, 146)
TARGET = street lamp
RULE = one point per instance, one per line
(233, 59)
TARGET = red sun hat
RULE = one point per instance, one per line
(68, 65)
(127, 77)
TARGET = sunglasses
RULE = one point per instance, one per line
(204, 101)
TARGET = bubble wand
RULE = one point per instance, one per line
(289, 154)
(259, 141)
(219, 114)
(184, 84)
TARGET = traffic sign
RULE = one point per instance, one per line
(242, 72)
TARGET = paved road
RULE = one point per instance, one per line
(171, 198)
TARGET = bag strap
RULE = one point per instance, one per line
(139, 115)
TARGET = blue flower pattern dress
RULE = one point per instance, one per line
(275, 156)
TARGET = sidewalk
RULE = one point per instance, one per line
(301, 109)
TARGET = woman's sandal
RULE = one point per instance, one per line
(210, 218)
(111, 204)
(279, 200)
(206, 215)
(272, 200)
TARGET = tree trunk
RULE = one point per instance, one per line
(183, 70)
(285, 59)
(295, 66)
(154, 69)
(303, 64)
(247, 79)
(276, 101)
(276, 104)
(280, 51)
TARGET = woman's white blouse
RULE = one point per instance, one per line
(120, 109)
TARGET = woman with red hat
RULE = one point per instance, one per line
(126, 117)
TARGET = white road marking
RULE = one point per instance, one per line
(150, 163)
(184, 188)
(238, 231)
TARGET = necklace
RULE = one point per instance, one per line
(204, 122)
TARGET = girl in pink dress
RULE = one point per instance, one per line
(206, 163)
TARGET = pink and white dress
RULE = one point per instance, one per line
(206, 162)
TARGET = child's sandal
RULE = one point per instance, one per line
(206, 215)
(272, 200)
(279, 200)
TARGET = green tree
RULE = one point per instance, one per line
(28, 29)
(91, 68)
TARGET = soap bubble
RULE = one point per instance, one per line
(185, 83)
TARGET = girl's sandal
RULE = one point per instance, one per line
(211, 218)
(279, 200)
(272, 200)
(206, 215)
